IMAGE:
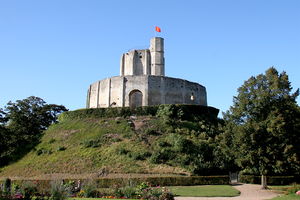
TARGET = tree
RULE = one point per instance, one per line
(4, 137)
(264, 125)
(25, 121)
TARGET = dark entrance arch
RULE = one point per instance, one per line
(135, 98)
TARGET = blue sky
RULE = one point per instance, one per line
(54, 49)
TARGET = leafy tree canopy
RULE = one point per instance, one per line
(22, 123)
(263, 125)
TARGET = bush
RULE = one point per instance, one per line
(127, 192)
(139, 155)
(145, 191)
(43, 151)
(184, 112)
(7, 187)
(122, 151)
(91, 143)
(52, 140)
(166, 181)
(271, 180)
(89, 189)
(61, 148)
(28, 189)
(166, 195)
(58, 191)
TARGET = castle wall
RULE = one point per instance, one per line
(146, 61)
(166, 90)
(115, 91)
(136, 62)
(136, 83)
(142, 83)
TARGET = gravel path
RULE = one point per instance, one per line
(248, 192)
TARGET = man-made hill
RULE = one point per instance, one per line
(165, 140)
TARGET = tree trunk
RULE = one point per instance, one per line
(264, 182)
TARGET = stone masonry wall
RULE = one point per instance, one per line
(115, 91)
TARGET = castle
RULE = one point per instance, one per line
(142, 82)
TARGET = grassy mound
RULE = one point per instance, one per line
(163, 140)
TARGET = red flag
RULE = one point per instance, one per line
(157, 29)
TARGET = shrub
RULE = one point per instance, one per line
(122, 151)
(89, 189)
(15, 188)
(28, 189)
(271, 180)
(139, 155)
(184, 112)
(91, 143)
(145, 191)
(7, 187)
(58, 190)
(52, 140)
(61, 148)
(127, 192)
(166, 195)
(43, 151)
(151, 131)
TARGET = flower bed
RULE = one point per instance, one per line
(61, 190)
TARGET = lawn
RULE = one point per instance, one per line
(287, 197)
(95, 199)
(205, 191)
(283, 189)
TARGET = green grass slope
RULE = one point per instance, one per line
(97, 146)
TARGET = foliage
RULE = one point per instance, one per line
(58, 190)
(272, 180)
(187, 147)
(194, 146)
(145, 191)
(28, 189)
(89, 189)
(126, 191)
(22, 123)
(263, 125)
(7, 186)
(166, 180)
(184, 112)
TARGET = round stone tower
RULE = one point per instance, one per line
(157, 56)
(142, 82)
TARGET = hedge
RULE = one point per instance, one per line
(43, 185)
(189, 112)
(271, 180)
(167, 181)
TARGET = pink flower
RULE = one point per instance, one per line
(18, 196)
(298, 192)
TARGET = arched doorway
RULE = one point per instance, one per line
(135, 98)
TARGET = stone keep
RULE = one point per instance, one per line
(142, 82)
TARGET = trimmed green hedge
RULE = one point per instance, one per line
(167, 181)
(271, 180)
(189, 112)
(43, 185)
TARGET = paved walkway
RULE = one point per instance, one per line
(248, 192)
